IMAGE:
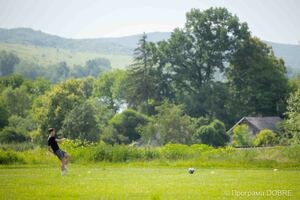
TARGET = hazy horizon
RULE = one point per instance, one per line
(271, 20)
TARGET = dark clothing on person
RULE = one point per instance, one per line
(56, 150)
(60, 154)
(52, 142)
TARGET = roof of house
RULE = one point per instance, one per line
(260, 122)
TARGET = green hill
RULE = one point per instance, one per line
(42, 48)
(37, 38)
(113, 45)
(45, 56)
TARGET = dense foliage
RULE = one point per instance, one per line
(292, 124)
(188, 89)
(179, 155)
(265, 138)
(241, 136)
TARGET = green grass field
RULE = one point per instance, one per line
(48, 56)
(123, 182)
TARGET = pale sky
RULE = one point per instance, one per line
(272, 20)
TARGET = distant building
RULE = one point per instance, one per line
(257, 124)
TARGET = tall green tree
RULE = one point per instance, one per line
(52, 108)
(162, 72)
(292, 123)
(172, 125)
(109, 88)
(199, 50)
(140, 82)
(257, 79)
(18, 101)
(81, 123)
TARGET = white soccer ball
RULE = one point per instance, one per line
(191, 170)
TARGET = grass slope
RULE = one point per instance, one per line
(112, 182)
(47, 56)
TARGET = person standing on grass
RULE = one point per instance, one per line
(54, 148)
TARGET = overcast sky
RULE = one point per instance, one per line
(272, 20)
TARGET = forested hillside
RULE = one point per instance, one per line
(116, 49)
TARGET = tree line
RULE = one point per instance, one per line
(188, 89)
(11, 63)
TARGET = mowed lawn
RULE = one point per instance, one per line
(111, 182)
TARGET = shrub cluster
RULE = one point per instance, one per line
(198, 155)
(9, 157)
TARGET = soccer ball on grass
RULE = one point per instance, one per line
(191, 170)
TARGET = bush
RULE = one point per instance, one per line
(24, 146)
(175, 151)
(201, 148)
(241, 136)
(123, 153)
(213, 134)
(151, 153)
(198, 155)
(10, 135)
(172, 124)
(102, 152)
(126, 124)
(9, 157)
(265, 138)
(116, 153)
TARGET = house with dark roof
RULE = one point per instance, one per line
(256, 124)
